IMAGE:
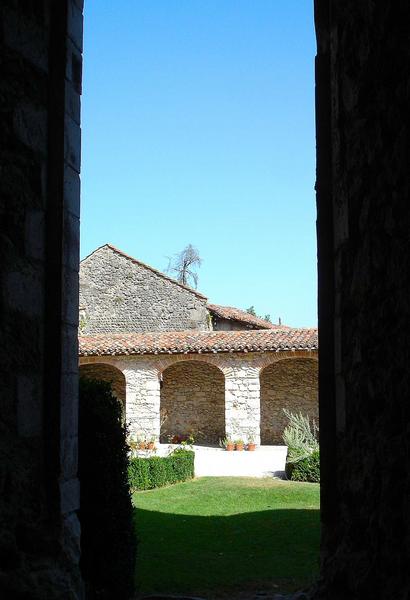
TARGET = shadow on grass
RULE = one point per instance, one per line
(196, 554)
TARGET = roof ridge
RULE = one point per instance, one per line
(240, 312)
(209, 331)
(146, 266)
(199, 332)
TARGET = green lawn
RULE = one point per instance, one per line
(217, 534)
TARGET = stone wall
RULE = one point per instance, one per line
(103, 372)
(363, 190)
(242, 397)
(40, 83)
(119, 294)
(193, 396)
(290, 384)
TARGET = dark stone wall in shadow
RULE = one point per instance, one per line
(40, 83)
(363, 189)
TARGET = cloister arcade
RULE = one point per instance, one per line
(238, 395)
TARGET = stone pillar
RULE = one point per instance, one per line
(41, 47)
(242, 403)
(142, 410)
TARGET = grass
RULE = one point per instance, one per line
(216, 534)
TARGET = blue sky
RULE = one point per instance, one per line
(198, 127)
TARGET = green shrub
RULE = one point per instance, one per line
(305, 469)
(300, 436)
(107, 535)
(156, 471)
(139, 471)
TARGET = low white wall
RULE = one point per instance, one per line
(265, 461)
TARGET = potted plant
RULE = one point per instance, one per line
(133, 446)
(150, 445)
(227, 443)
(239, 445)
(188, 440)
(251, 445)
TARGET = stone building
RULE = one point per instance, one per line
(363, 182)
(227, 318)
(119, 293)
(215, 371)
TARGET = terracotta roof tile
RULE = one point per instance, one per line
(236, 314)
(180, 342)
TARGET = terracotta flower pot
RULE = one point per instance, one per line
(141, 446)
(239, 447)
(251, 447)
(230, 447)
(150, 445)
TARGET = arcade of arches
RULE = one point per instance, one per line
(240, 395)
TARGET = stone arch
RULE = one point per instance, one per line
(269, 358)
(290, 383)
(193, 397)
(107, 372)
(166, 361)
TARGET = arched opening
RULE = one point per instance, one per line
(105, 372)
(290, 384)
(193, 398)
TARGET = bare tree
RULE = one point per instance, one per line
(183, 264)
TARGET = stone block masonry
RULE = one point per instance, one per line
(363, 190)
(40, 154)
(242, 406)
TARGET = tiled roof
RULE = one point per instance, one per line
(184, 342)
(235, 314)
(141, 264)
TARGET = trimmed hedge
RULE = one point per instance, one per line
(108, 541)
(306, 469)
(156, 471)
